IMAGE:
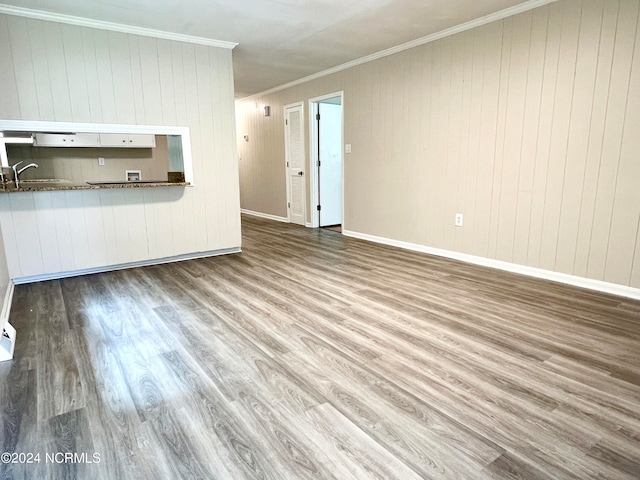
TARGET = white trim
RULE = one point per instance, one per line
(313, 153)
(598, 285)
(123, 266)
(507, 12)
(114, 27)
(6, 306)
(7, 345)
(313, 166)
(264, 215)
(4, 141)
(62, 127)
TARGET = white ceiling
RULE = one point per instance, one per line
(284, 40)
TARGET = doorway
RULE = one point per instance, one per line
(327, 161)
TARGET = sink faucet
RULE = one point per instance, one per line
(16, 172)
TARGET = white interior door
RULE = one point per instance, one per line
(330, 168)
(294, 151)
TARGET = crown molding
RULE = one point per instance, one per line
(114, 27)
(507, 12)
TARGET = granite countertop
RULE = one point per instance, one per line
(43, 186)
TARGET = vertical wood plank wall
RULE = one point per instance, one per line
(58, 72)
(529, 126)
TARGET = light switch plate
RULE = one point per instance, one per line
(101, 161)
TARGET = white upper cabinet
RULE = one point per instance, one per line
(66, 140)
(131, 140)
(121, 140)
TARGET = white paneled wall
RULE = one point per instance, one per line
(529, 126)
(4, 275)
(58, 72)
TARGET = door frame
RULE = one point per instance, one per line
(287, 155)
(313, 155)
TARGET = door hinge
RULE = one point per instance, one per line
(288, 204)
(287, 164)
(286, 122)
(318, 162)
(319, 208)
(317, 116)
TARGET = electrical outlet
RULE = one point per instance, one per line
(101, 161)
(459, 217)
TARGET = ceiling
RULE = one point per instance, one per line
(284, 40)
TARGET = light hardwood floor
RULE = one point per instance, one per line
(313, 356)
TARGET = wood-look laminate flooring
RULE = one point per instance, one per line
(314, 356)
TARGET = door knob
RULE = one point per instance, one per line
(300, 173)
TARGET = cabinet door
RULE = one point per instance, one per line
(114, 140)
(65, 140)
(142, 140)
(51, 140)
(137, 140)
(83, 140)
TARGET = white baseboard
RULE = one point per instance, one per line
(122, 266)
(598, 285)
(265, 215)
